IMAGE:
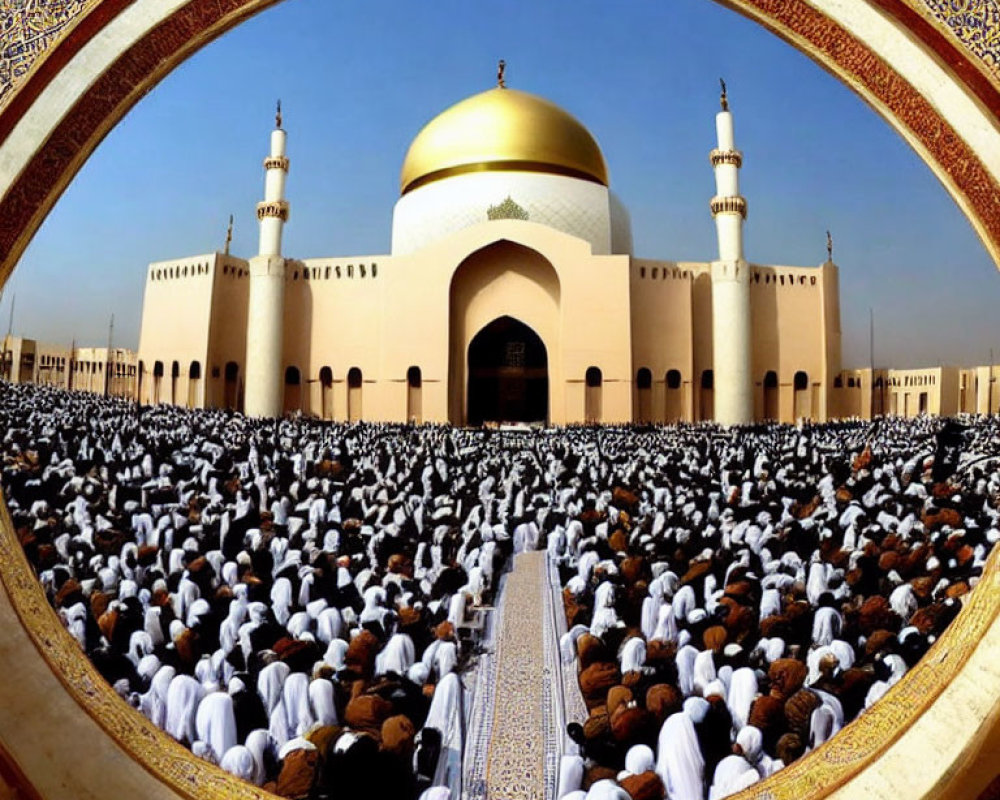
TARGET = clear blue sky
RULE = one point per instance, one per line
(358, 80)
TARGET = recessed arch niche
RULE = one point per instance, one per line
(923, 65)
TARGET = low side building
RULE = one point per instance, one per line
(98, 370)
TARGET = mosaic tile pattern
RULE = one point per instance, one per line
(483, 703)
(516, 762)
(27, 29)
(976, 24)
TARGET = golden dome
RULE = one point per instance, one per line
(502, 129)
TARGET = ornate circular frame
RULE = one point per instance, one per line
(58, 100)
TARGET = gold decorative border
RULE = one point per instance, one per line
(500, 166)
(51, 37)
(152, 749)
(867, 738)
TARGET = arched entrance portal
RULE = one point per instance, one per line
(508, 374)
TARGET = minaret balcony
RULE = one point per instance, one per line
(276, 162)
(729, 205)
(734, 157)
(274, 208)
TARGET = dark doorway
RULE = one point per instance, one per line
(231, 388)
(508, 374)
(771, 396)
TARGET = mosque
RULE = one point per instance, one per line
(511, 294)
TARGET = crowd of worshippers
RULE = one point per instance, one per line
(290, 599)
(732, 604)
(294, 599)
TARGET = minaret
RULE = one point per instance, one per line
(265, 315)
(731, 345)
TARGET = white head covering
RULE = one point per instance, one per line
(298, 709)
(154, 703)
(183, 697)
(633, 655)
(336, 653)
(397, 656)
(281, 600)
(239, 761)
(679, 761)
(270, 682)
(571, 768)
(685, 659)
(639, 758)
(215, 723)
(704, 671)
(445, 715)
(321, 698)
(259, 743)
(742, 691)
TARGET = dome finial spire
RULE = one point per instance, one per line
(277, 115)
(829, 246)
(724, 99)
(501, 68)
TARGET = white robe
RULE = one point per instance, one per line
(215, 723)
(446, 716)
(679, 761)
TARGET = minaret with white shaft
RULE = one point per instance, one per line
(265, 315)
(731, 345)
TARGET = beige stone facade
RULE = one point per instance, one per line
(387, 338)
(89, 369)
(939, 391)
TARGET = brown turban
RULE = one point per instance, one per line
(618, 696)
(663, 700)
(590, 650)
(397, 735)
(618, 541)
(597, 723)
(628, 723)
(766, 713)
(298, 772)
(789, 748)
(596, 679)
(660, 650)
(361, 653)
(400, 565)
(367, 712)
(876, 613)
(878, 640)
(798, 711)
(644, 786)
(787, 676)
(107, 623)
(715, 638)
(633, 568)
(408, 616)
(445, 631)
(323, 737)
(99, 602)
(69, 593)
